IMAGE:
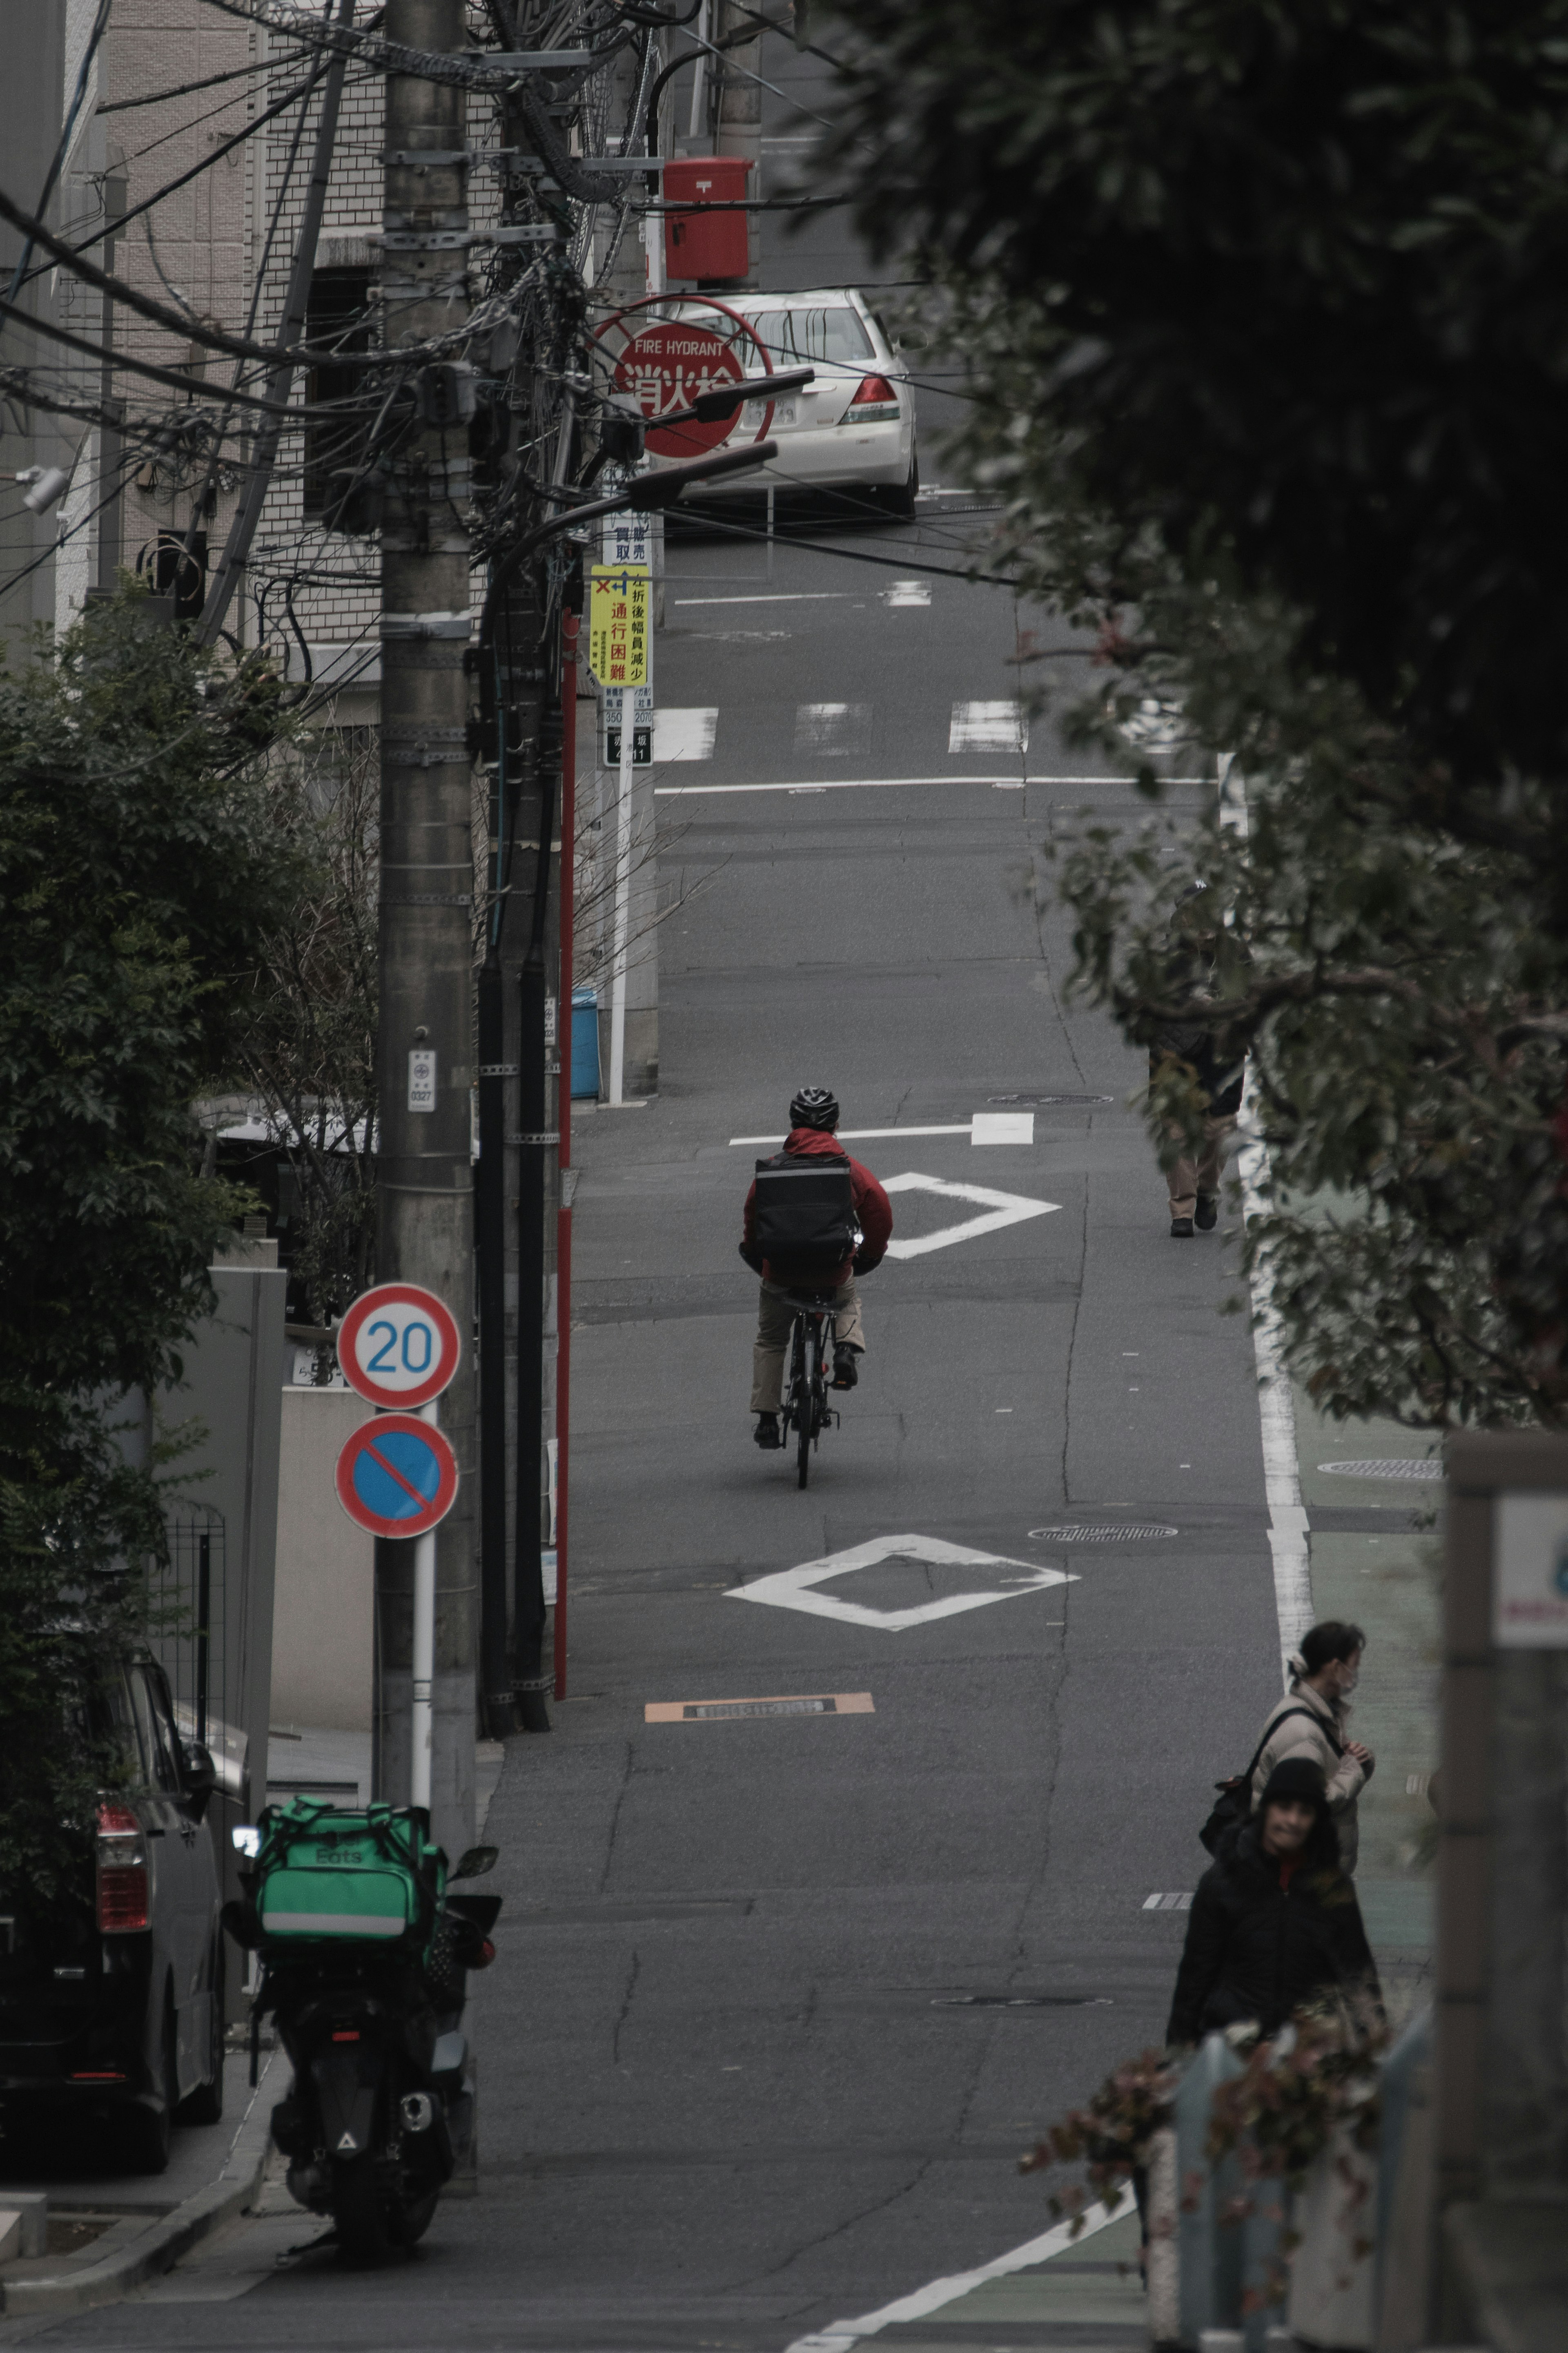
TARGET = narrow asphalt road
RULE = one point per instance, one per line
(780, 1999)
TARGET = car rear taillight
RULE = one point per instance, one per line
(121, 1870)
(876, 398)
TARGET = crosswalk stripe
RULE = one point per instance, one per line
(988, 726)
(684, 735)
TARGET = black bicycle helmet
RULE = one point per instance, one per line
(814, 1107)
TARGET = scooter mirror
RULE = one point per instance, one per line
(475, 1863)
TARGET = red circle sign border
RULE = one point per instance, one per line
(434, 1513)
(402, 1294)
(700, 302)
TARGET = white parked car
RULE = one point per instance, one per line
(853, 429)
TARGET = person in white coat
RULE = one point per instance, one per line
(1310, 1722)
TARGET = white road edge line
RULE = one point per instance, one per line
(924, 2301)
(883, 783)
(1288, 1540)
(1288, 1543)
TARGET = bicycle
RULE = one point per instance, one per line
(806, 1410)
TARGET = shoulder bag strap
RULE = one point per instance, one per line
(1297, 1708)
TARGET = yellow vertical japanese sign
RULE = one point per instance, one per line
(618, 624)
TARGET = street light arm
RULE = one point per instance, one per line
(660, 490)
(724, 399)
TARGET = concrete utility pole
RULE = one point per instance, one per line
(426, 1063)
(741, 112)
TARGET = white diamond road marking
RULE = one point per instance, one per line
(833, 730)
(907, 592)
(684, 735)
(987, 726)
(1001, 1209)
(795, 1589)
(1168, 1903)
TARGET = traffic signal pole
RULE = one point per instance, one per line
(425, 1186)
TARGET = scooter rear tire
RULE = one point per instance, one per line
(412, 2220)
(359, 2210)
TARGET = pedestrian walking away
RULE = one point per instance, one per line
(859, 1243)
(1310, 1721)
(1274, 1923)
(1193, 1164)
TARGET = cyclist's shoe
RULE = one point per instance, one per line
(766, 1433)
(846, 1372)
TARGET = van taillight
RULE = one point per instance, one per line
(876, 398)
(121, 1870)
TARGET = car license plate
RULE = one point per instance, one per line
(784, 413)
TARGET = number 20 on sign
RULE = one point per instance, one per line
(618, 624)
(398, 1346)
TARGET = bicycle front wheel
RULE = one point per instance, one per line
(806, 1402)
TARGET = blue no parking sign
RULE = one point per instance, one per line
(397, 1476)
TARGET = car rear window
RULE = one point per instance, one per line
(831, 333)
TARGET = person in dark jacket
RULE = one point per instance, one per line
(813, 1123)
(1209, 1059)
(1275, 1920)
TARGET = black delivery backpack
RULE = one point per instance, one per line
(803, 1216)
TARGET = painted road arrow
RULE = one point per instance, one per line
(1000, 1209)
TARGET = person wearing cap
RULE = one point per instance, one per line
(1310, 1722)
(813, 1130)
(1274, 1923)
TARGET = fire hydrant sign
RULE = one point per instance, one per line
(398, 1346)
(397, 1476)
(666, 367)
(618, 624)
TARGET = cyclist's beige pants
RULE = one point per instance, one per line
(775, 1319)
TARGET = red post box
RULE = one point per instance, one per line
(710, 247)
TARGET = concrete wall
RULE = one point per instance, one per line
(322, 1637)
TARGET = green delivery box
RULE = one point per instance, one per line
(326, 1875)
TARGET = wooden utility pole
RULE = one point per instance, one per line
(426, 1067)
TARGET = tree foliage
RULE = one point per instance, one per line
(1265, 349)
(1297, 281)
(309, 1034)
(139, 869)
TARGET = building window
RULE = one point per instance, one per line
(338, 319)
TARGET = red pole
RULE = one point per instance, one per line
(563, 1120)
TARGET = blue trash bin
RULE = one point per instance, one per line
(584, 1042)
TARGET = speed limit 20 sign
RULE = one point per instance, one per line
(398, 1346)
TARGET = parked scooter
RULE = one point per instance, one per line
(365, 1958)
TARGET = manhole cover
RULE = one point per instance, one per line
(1065, 1100)
(1405, 1467)
(1131, 1534)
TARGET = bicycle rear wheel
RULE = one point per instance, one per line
(806, 1398)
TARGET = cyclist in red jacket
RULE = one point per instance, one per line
(813, 1121)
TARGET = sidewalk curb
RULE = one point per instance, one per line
(163, 2243)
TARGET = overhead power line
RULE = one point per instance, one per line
(149, 368)
(188, 88)
(468, 71)
(301, 90)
